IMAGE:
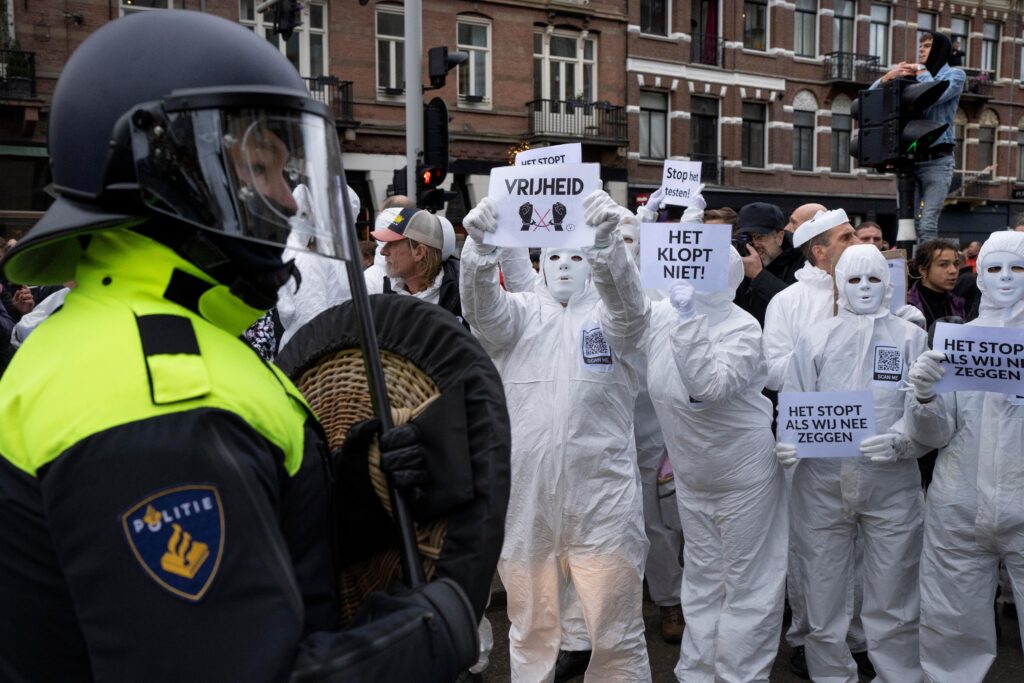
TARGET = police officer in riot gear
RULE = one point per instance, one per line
(164, 494)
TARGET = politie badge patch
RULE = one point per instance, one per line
(177, 535)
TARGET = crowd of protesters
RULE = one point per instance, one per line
(618, 394)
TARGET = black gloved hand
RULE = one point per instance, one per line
(403, 457)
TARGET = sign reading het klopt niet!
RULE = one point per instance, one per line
(694, 252)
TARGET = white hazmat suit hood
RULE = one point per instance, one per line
(995, 314)
(865, 261)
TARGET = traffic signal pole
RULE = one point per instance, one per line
(413, 90)
(906, 233)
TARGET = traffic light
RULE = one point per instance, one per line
(440, 62)
(918, 134)
(891, 129)
(287, 17)
(429, 194)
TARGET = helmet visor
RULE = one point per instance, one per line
(269, 176)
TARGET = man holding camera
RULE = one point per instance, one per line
(770, 261)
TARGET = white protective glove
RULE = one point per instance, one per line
(786, 453)
(925, 372)
(682, 299)
(648, 213)
(694, 213)
(885, 447)
(481, 220)
(912, 314)
(601, 213)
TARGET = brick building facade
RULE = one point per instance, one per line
(758, 90)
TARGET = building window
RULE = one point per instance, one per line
(654, 17)
(958, 34)
(474, 37)
(390, 51)
(1020, 155)
(925, 23)
(990, 47)
(803, 140)
(132, 6)
(879, 36)
(755, 24)
(986, 151)
(841, 126)
(564, 67)
(805, 37)
(843, 26)
(753, 137)
(307, 47)
(653, 124)
(959, 126)
(703, 127)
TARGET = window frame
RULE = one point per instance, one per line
(262, 25)
(840, 152)
(763, 11)
(747, 144)
(802, 15)
(579, 62)
(715, 119)
(666, 138)
(874, 27)
(132, 9)
(1020, 156)
(465, 99)
(931, 29)
(991, 146)
(990, 47)
(383, 91)
(666, 18)
(965, 37)
(837, 21)
(798, 146)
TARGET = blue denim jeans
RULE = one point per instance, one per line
(933, 178)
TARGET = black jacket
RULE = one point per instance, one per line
(753, 295)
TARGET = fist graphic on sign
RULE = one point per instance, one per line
(558, 211)
(525, 212)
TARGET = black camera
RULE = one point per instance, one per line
(740, 241)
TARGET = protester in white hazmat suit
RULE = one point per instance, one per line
(568, 353)
(705, 373)
(975, 506)
(874, 494)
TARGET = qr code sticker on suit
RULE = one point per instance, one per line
(594, 351)
(888, 364)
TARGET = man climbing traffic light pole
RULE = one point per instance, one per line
(932, 168)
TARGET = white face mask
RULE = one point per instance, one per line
(1003, 274)
(565, 272)
(630, 229)
(864, 293)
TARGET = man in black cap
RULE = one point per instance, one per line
(770, 262)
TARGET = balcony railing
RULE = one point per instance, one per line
(978, 85)
(848, 67)
(336, 94)
(17, 74)
(706, 48)
(711, 168)
(577, 119)
(968, 184)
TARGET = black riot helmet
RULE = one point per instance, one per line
(186, 115)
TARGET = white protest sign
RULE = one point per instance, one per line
(896, 259)
(680, 180)
(549, 156)
(826, 424)
(981, 358)
(685, 251)
(542, 206)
